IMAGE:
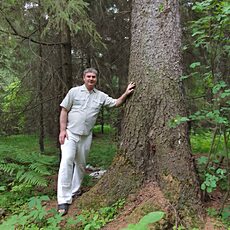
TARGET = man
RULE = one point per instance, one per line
(78, 115)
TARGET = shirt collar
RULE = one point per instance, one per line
(83, 88)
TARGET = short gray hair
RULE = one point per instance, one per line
(90, 70)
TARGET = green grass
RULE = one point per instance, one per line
(28, 143)
(201, 143)
(101, 154)
(103, 148)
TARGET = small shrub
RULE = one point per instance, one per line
(96, 219)
(150, 218)
(34, 216)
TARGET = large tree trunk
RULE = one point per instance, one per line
(157, 150)
(150, 149)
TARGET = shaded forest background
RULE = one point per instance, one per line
(45, 45)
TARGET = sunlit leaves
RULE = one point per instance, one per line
(212, 178)
(212, 26)
(201, 6)
(210, 43)
(202, 160)
(218, 86)
(150, 218)
(194, 65)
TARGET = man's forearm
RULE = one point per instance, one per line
(128, 91)
(121, 99)
(63, 119)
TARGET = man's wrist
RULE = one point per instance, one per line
(125, 94)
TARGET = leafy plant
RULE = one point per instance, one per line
(95, 219)
(13, 101)
(22, 170)
(225, 215)
(29, 169)
(150, 218)
(34, 216)
(22, 164)
(210, 182)
(210, 44)
(222, 215)
(212, 212)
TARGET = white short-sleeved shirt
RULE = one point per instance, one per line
(83, 108)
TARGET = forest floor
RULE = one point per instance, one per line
(148, 193)
(103, 146)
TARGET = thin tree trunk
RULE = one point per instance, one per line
(40, 82)
(66, 58)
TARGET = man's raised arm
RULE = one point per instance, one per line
(128, 91)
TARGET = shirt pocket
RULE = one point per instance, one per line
(96, 104)
(79, 103)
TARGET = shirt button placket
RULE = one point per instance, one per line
(86, 111)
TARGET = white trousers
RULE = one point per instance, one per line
(74, 153)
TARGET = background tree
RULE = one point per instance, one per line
(69, 43)
(112, 20)
(42, 33)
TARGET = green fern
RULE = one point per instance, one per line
(22, 169)
(32, 178)
(40, 168)
(9, 168)
(27, 168)
(34, 157)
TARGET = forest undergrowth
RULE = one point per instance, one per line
(28, 186)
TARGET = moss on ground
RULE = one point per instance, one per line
(120, 180)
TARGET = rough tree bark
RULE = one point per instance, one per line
(150, 150)
(66, 58)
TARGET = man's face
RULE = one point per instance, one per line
(90, 80)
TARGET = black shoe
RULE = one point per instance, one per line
(63, 209)
(77, 194)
